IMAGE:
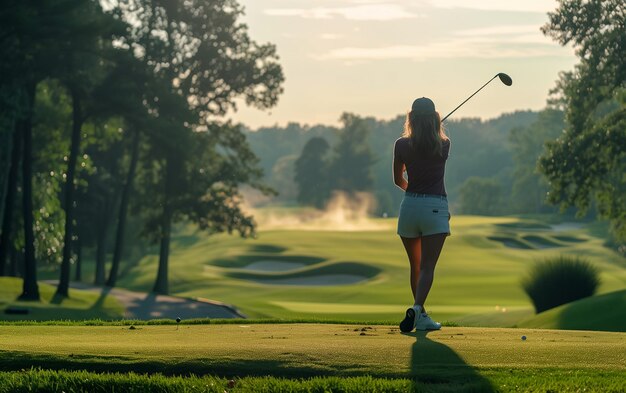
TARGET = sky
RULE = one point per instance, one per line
(374, 57)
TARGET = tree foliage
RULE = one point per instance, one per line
(312, 173)
(481, 196)
(203, 59)
(587, 164)
(164, 74)
(353, 158)
(529, 188)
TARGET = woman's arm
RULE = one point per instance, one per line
(398, 174)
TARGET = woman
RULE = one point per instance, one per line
(423, 222)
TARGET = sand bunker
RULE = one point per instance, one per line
(510, 242)
(321, 280)
(273, 266)
(566, 226)
(540, 242)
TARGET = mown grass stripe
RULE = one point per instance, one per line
(508, 380)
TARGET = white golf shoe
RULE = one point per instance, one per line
(425, 322)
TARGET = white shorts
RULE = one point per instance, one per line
(423, 215)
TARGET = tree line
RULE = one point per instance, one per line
(318, 172)
(118, 113)
(306, 163)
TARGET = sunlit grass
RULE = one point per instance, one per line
(474, 275)
(79, 305)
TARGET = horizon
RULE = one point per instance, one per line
(388, 119)
(359, 56)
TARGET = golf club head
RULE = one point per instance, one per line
(504, 78)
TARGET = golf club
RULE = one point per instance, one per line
(504, 78)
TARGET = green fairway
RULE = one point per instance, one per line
(607, 313)
(80, 304)
(309, 349)
(363, 275)
(452, 356)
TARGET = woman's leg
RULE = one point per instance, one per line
(431, 249)
(413, 247)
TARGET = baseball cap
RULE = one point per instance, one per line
(423, 106)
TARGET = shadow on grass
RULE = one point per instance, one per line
(150, 306)
(230, 368)
(13, 360)
(267, 248)
(57, 299)
(99, 303)
(435, 364)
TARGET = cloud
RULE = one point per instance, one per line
(520, 34)
(542, 6)
(455, 49)
(500, 30)
(362, 12)
(330, 36)
(503, 41)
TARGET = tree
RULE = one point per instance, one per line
(87, 48)
(528, 144)
(97, 190)
(9, 201)
(351, 166)
(123, 94)
(312, 173)
(203, 190)
(587, 162)
(36, 37)
(281, 178)
(205, 60)
(481, 196)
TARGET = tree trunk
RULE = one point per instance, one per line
(101, 242)
(161, 285)
(9, 201)
(30, 289)
(64, 281)
(14, 267)
(78, 275)
(121, 221)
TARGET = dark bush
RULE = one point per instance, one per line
(559, 280)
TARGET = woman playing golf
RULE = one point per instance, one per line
(423, 222)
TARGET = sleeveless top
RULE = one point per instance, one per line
(425, 173)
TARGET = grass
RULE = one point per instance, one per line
(512, 380)
(477, 278)
(474, 276)
(604, 312)
(309, 357)
(80, 304)
(298, 350)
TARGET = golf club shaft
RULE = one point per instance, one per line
(461, 104)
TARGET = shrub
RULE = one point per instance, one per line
(559, 280)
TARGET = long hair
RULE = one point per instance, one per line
(425, 133)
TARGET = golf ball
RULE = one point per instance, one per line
(523, 338)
